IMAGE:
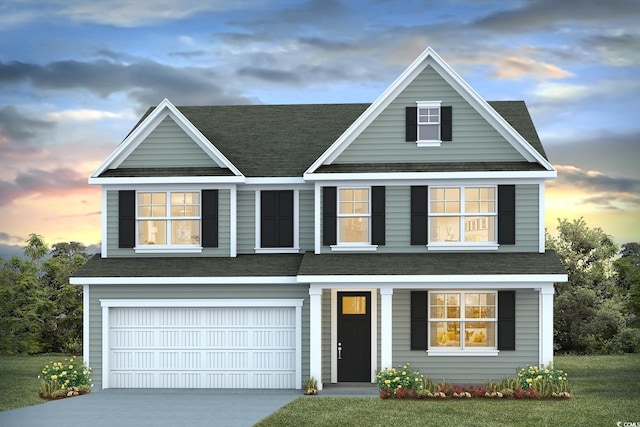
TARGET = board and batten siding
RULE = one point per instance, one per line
(398, 221)
(167, 146)
(224, 229)
(468, 369)
(100, 292)
(474, 139)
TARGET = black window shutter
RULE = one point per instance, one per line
(126, 219)
(419, 214)
(210, 218)
(329, 215)
(507, 320)
(276, 219)
(419, 321)
(507, 214)
(446, 123)
(411, 133)
(377, 215)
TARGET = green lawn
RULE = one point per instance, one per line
(606, 389)
(19, 383)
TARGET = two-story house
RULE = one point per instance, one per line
(255, 246)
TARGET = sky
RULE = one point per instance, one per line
(76, 75)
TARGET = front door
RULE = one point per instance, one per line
(354, 337)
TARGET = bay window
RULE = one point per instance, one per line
(168, 218)
(462, 215)
(462, 320)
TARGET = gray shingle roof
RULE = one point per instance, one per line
(158, 172)
(284, 140)
(289, 265)
(430, 167)
(443, 263)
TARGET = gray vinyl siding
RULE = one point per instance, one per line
(474, 139)
(398, 221)
(98, 292)
(224, 229)
(246, 222)
(306, 220)
(468, 369)
(167, 146)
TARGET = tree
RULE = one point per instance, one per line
(627, 268)
(589, 310)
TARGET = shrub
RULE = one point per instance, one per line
(545, 381)
(58, 377)
(399, 383)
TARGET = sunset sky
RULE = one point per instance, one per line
(75, 76)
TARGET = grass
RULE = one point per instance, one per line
(605, 390)
(19, 383)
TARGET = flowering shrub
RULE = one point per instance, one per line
(546, 380)
(58, 379)
(399, 383)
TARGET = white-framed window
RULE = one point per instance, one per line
(462, 215)
(463, 321)
(354, 216)
(429, 120)
(168, 218)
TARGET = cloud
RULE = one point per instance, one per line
(86, 115)
(605, 191)
(147, 82)
(16, 126)
(38, 182)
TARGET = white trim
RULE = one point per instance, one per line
(106, 304)
(462, 353)
(164, 109)
(168, 249)
(104, 223)
(317, 234)
(397, 176)
(344, 247)
(499, 281)
(541, 219)
(258, 224)
(438, 246)
(167, 180)
(284, 180)
(429, 142)
(233, 222)
(545, 327)
(85, 325)
(334, 331)
(315, 335)
(429, 58)
(216, 280)
(386, 328)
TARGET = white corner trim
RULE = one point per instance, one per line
(85, 325)
(541, 219)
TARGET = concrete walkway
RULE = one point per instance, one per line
(157, 408)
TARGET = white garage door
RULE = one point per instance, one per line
(202, 347)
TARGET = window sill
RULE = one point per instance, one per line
(438, 352)
(277, 250)
(167, 249)
(462, 247)
(428, 143)
(353, 248)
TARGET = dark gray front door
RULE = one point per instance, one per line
(354, 336)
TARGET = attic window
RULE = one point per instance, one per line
(429, 122)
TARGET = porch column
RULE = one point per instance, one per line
(315, 334)
(546, 324)
(386, 328)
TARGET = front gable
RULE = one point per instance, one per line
(480, 134)
(165, 144)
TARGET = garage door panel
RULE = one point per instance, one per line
(203, 347)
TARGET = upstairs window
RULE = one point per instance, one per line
(353, 216)
(429, 121)
(168, 218)
(462, 215)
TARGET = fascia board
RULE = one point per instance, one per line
(429, 175)
(164, 109)
(470, 280)
(240, 280)
(168, 180)
(275, 180)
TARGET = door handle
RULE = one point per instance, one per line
(339, 351)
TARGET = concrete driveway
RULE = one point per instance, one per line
(224, 408)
